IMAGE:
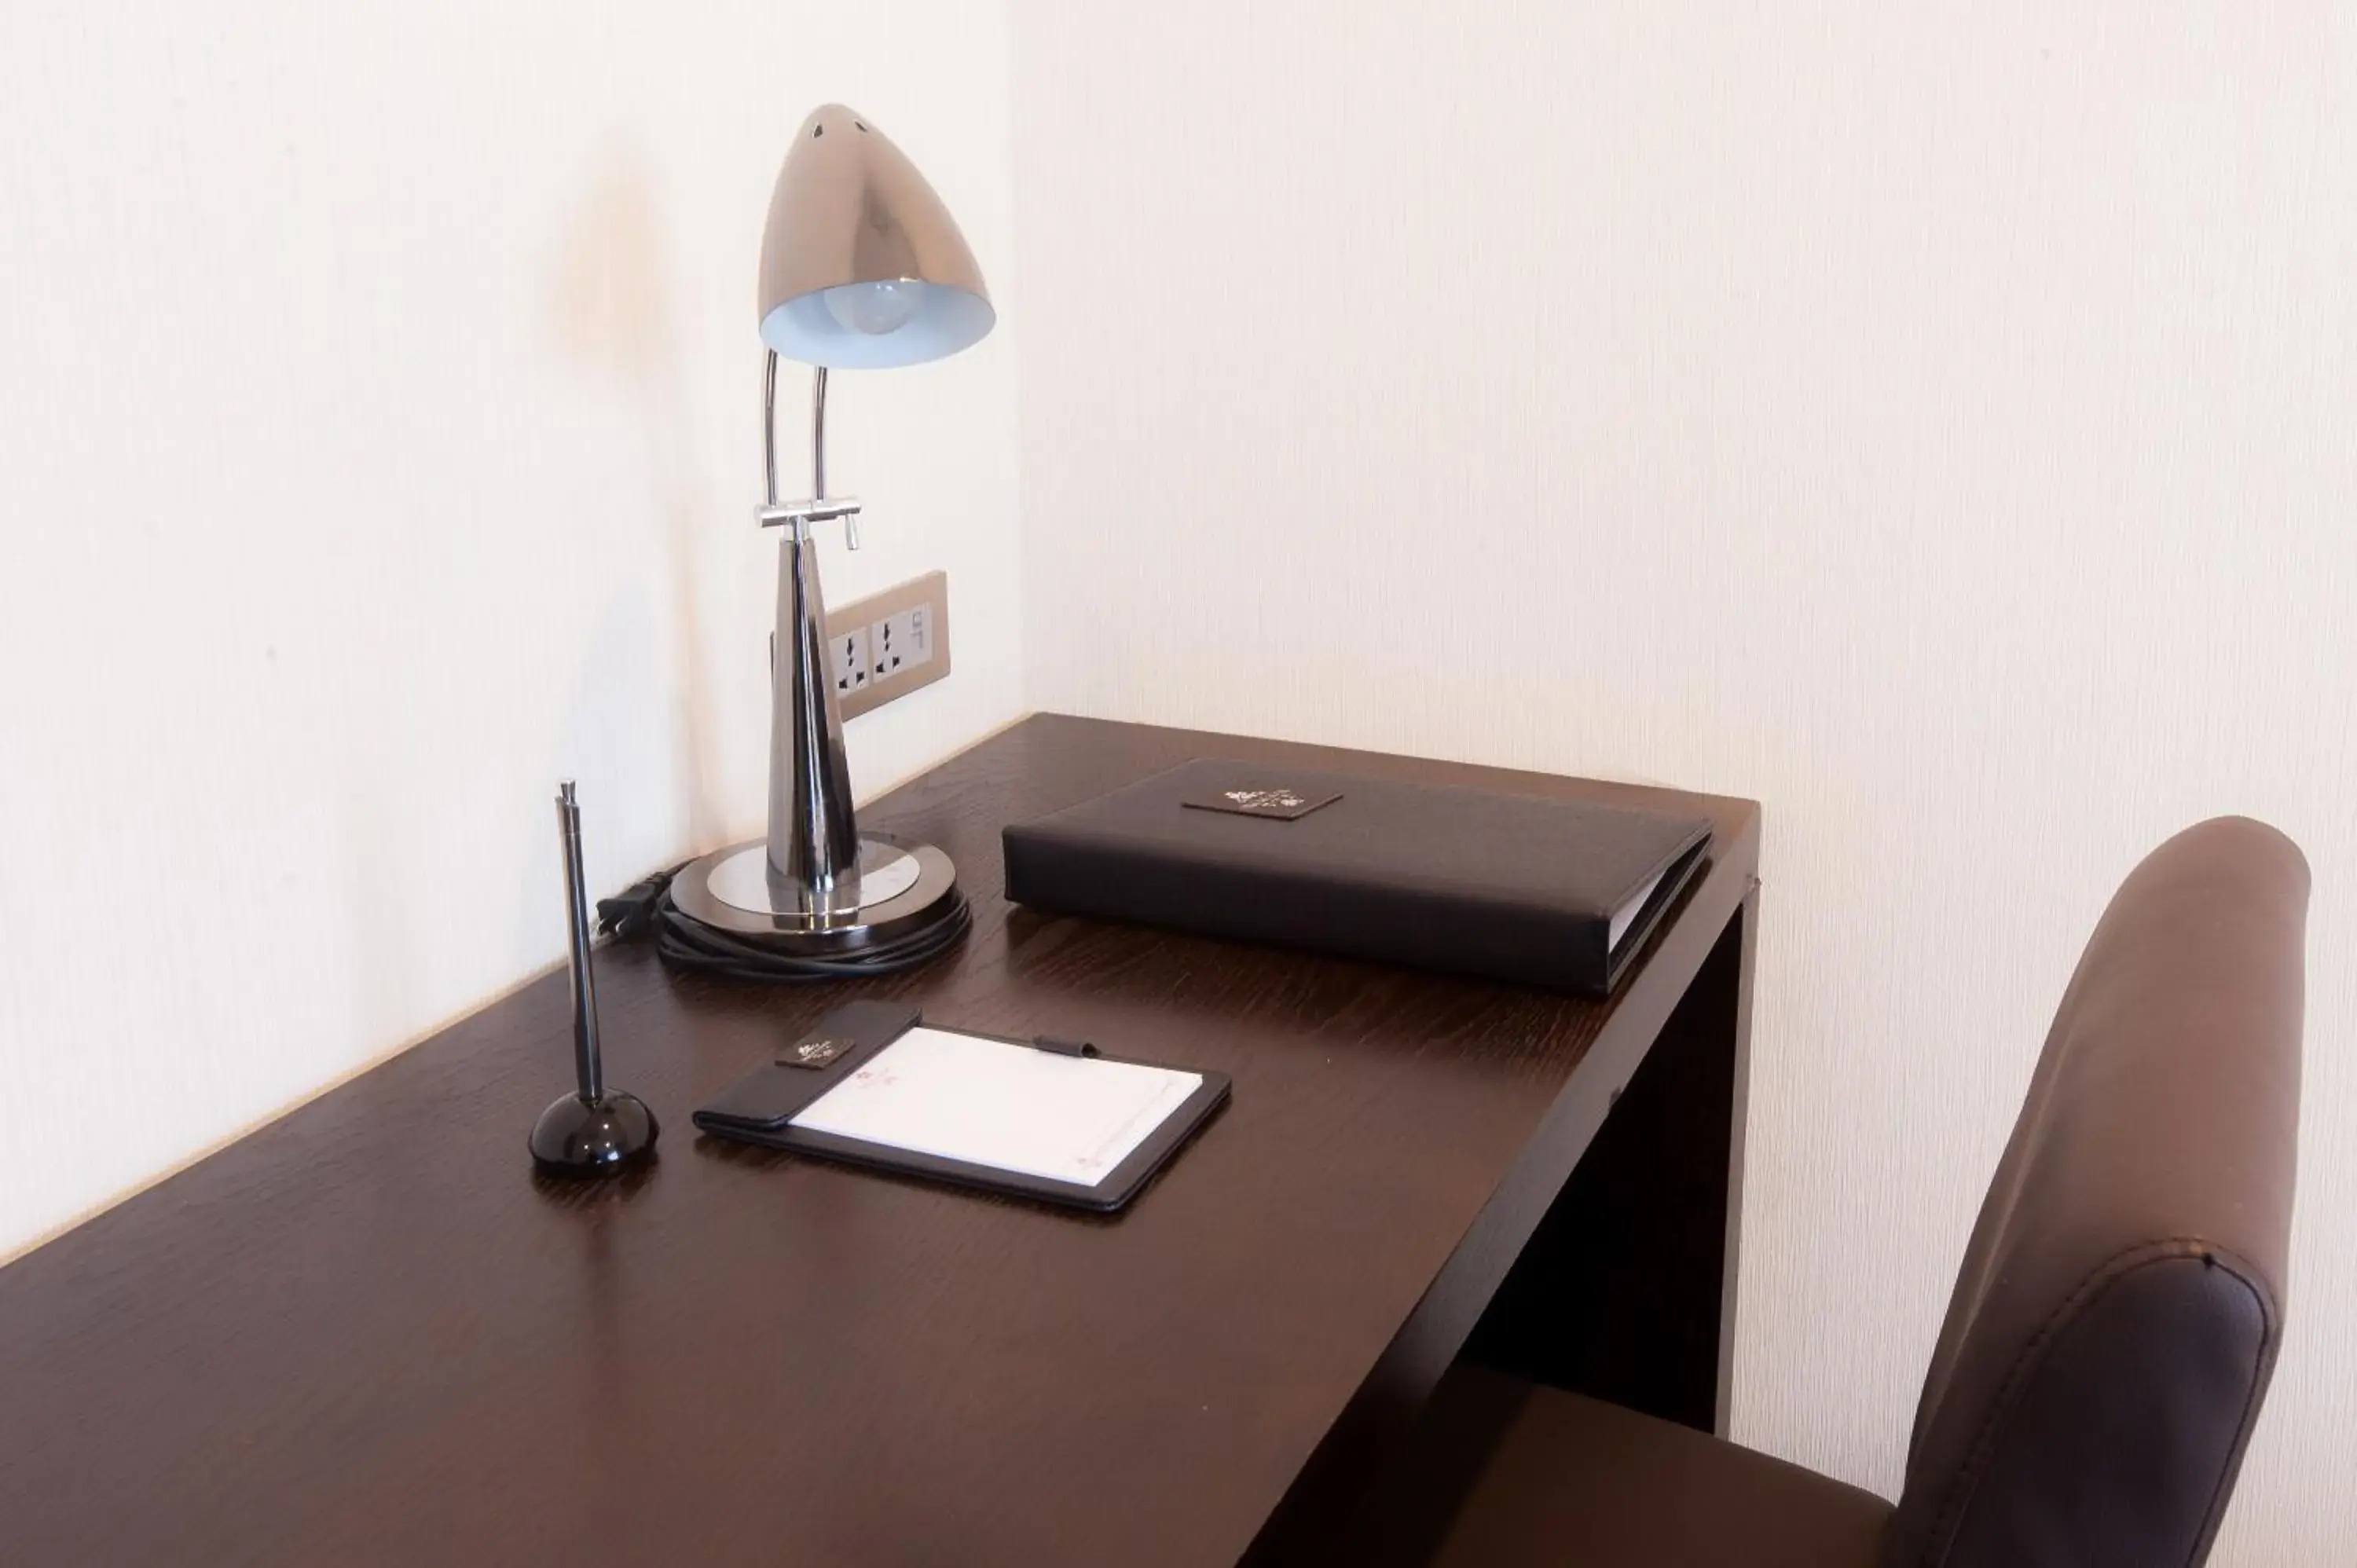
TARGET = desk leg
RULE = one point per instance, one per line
(1627, 1289)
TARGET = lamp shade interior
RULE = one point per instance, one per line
(877, 325)
(861, 265)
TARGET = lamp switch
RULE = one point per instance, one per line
(897, 640)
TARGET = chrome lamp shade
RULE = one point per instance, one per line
(862, 268)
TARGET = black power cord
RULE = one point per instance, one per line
(645, 908)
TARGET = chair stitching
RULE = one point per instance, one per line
(1967, 1479)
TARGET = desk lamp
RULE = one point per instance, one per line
(862, 268)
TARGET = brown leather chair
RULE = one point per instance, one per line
(2114, 1324)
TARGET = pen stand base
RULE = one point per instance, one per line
(577, 1137)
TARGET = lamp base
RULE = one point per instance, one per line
(902, 889)
(577, 1137)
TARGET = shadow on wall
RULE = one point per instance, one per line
(611, 323)
(611, 314)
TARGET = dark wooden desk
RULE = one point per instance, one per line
(368, 1334)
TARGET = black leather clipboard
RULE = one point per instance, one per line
(760, 1108)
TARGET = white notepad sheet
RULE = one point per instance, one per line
(988, 1103)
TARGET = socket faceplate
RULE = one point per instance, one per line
(905, 631)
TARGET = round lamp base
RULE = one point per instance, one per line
(900, 891)
(577, 1137)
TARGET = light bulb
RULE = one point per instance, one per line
(875, 308)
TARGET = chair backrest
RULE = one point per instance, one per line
(2121, 1301)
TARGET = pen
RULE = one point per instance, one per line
(1063, 1047)
(588, 1070)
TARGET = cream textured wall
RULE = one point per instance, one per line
(379, 396)
(1932, 421)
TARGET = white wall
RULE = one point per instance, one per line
(379, 397)
(1933, 422)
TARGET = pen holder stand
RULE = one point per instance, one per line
(593, 1131)
(593, 1137)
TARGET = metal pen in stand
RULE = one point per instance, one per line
(590, 1131)
(587, 1069)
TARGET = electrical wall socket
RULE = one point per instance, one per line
(889, 644)
(901, 641)
(847, 651)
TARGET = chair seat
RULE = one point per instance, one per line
(1577, 1482)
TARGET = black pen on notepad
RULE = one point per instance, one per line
(1063, 1047)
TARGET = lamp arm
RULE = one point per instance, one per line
(818, 447)
(769, 427)
(817, 509)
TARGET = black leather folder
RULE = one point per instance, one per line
(1518, 887)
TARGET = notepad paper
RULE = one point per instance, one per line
(988, 1103)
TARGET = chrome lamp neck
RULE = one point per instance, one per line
(813, 836)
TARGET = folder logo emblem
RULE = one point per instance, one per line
(815, 1053)
(1279, 801)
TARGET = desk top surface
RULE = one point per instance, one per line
(369, 1334)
